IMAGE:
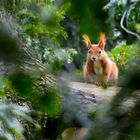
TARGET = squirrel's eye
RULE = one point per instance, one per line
(99, 52)
(89, 51)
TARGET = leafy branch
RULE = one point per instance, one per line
(124, 28)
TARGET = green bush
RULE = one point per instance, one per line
(127, 57)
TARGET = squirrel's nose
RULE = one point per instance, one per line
(93, 58)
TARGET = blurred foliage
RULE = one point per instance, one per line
(90, 16)
(13, 115)
(41, 36)
(116, 9)
(38, 24)
(10, 124)
(113, 120)
(44, 100)
(22, 76)
(137, 26)
(126, 56)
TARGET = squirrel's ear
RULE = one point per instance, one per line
(86, 39)
(102, 40)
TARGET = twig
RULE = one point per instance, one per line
(124, 28)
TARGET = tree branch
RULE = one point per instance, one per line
(125, 29)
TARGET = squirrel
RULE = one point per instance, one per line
(99, 68)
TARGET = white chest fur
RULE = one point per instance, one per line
(98, 67)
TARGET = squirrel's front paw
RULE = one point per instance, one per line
(98, 84)
(102, 84)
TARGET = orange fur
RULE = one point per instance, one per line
(98, 67)
(86, 39)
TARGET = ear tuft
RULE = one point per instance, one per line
(102, 40)
(86, 39)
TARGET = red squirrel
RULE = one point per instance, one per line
(99, 68)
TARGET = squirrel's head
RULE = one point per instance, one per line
(96, 51)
